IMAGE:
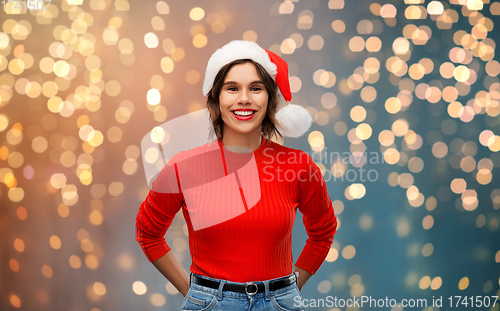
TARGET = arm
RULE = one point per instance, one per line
(303, 276)
(155, 216)
(173, 271)
(318, 217)
(153, 219)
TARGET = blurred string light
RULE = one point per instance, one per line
(71, 78)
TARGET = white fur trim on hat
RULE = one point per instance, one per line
(294, 120)
(237, 49)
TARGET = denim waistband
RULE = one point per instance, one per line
(220, 292)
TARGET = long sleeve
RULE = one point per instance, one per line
(317, 214)
(157, 212)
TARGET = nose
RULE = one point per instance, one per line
(244, 97)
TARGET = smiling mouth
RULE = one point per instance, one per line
(243, 113)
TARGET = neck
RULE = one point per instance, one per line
(248, 140)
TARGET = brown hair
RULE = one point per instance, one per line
(269, 124)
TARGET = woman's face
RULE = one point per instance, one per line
(243, 100)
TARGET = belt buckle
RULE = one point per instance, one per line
(246, 288)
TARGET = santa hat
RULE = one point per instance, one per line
(294, 120)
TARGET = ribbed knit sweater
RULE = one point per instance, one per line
(240, 211)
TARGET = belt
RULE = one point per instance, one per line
(250, 288)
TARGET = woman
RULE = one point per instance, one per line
(240, 217)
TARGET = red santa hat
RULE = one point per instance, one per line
(294, 120)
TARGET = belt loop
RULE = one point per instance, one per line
(190, 277)
(219, 291)
(266, 287)
(296, 276)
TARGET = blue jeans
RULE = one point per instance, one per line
(201, 298)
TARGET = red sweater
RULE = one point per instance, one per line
(240, 213)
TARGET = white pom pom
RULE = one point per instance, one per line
(294, 120)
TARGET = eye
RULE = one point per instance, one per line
(232, 88)
(256, 88)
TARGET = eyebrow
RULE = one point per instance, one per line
(233, 82)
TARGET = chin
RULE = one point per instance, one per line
(244, 129)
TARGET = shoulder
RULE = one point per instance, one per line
(176, 158)
(182, 162)
(192, 153)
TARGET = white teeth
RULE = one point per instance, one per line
(243, 113)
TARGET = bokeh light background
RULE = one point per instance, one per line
(405, 90)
